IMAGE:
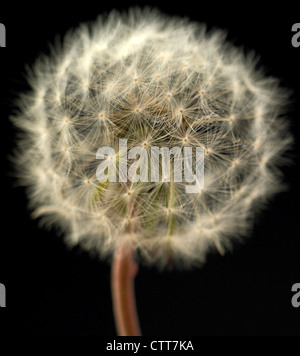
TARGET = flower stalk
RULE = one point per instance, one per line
(124, 270)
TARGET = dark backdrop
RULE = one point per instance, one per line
(52, 290)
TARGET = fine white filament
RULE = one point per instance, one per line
(155, 81)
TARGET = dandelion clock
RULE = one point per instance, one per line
(149, 139)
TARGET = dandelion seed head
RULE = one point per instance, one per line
(157, 81)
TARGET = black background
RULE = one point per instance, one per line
(54, 291)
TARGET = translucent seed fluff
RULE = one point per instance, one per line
(158, 81)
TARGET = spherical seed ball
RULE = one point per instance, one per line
(156, 81)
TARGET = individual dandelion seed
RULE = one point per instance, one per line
(156, 81)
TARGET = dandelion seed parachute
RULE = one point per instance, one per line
(157, 81)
